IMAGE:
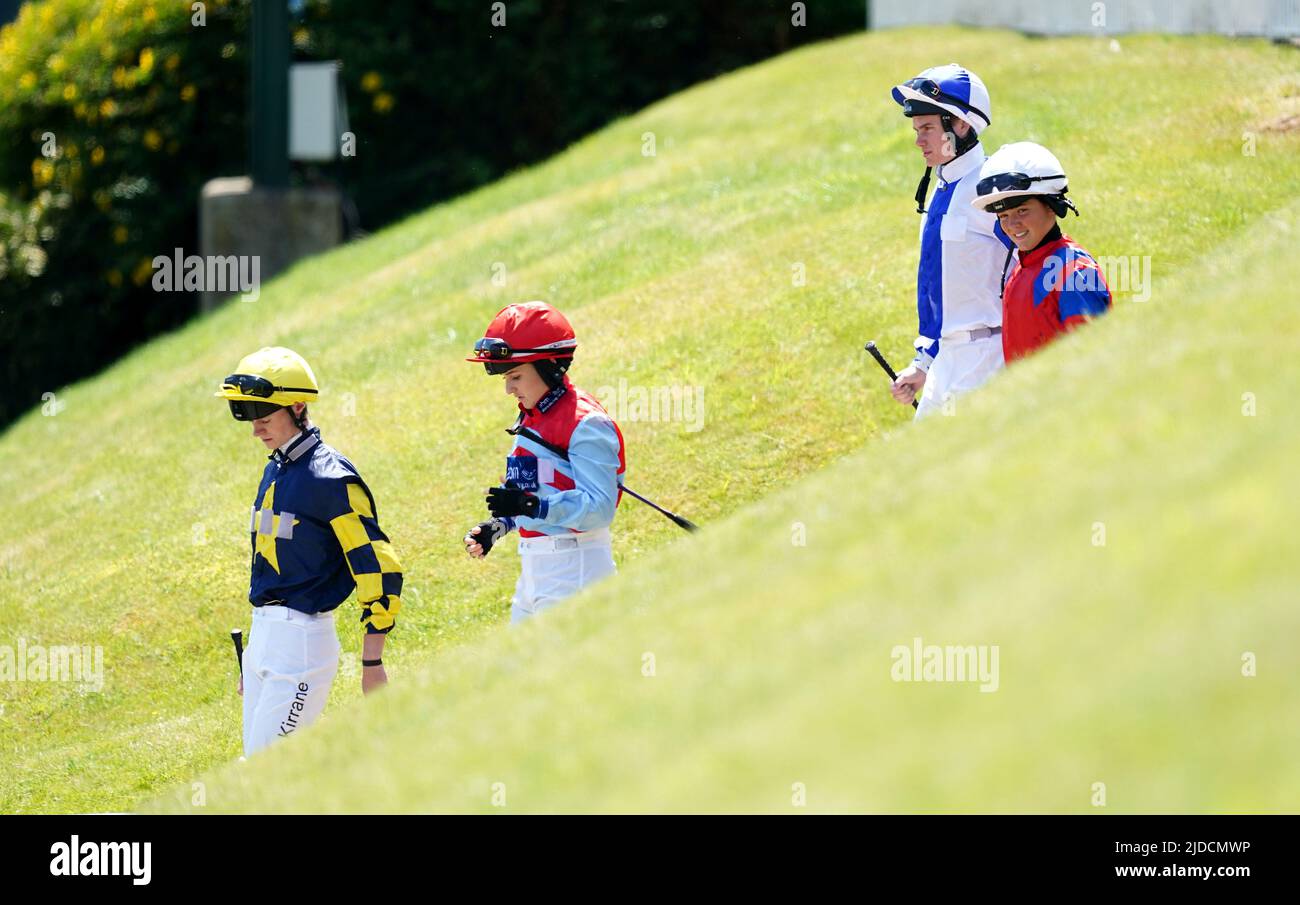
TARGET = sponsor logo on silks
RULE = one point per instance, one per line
(102, 859)
(521, 473)
(296, 707)
(553, 396)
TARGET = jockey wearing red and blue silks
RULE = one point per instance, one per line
(579, 493)
(561, 487)
(568, 457)
(1054, 287)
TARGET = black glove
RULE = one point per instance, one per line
(488, 534)
(507, 502)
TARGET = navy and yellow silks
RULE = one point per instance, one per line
(316, 536)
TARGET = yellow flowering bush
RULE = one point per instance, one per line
(112, 115)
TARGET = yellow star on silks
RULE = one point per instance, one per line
(265, 543)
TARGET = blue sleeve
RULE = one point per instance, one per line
(1076, 307)
(1084, 294)
(593, 459)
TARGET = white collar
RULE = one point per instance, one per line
(958, 167)
(303, 443)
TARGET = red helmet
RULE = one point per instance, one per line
(524, 331)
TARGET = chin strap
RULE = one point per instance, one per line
(1005, 265)
(921, 190)
(960, 144)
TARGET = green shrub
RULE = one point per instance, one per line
(113, 113)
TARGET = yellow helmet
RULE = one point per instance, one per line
(267, 380)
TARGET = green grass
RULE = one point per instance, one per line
(1119, 664)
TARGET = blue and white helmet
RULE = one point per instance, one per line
(949, 88)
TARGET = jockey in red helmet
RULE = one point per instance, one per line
(561, 485)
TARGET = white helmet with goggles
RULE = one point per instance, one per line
(1022, 170)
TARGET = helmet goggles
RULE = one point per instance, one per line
(1010, 182)
(930, 88)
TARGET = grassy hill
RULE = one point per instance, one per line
(836, 530)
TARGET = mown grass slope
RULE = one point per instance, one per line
(1114, 515)
(125, 512)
